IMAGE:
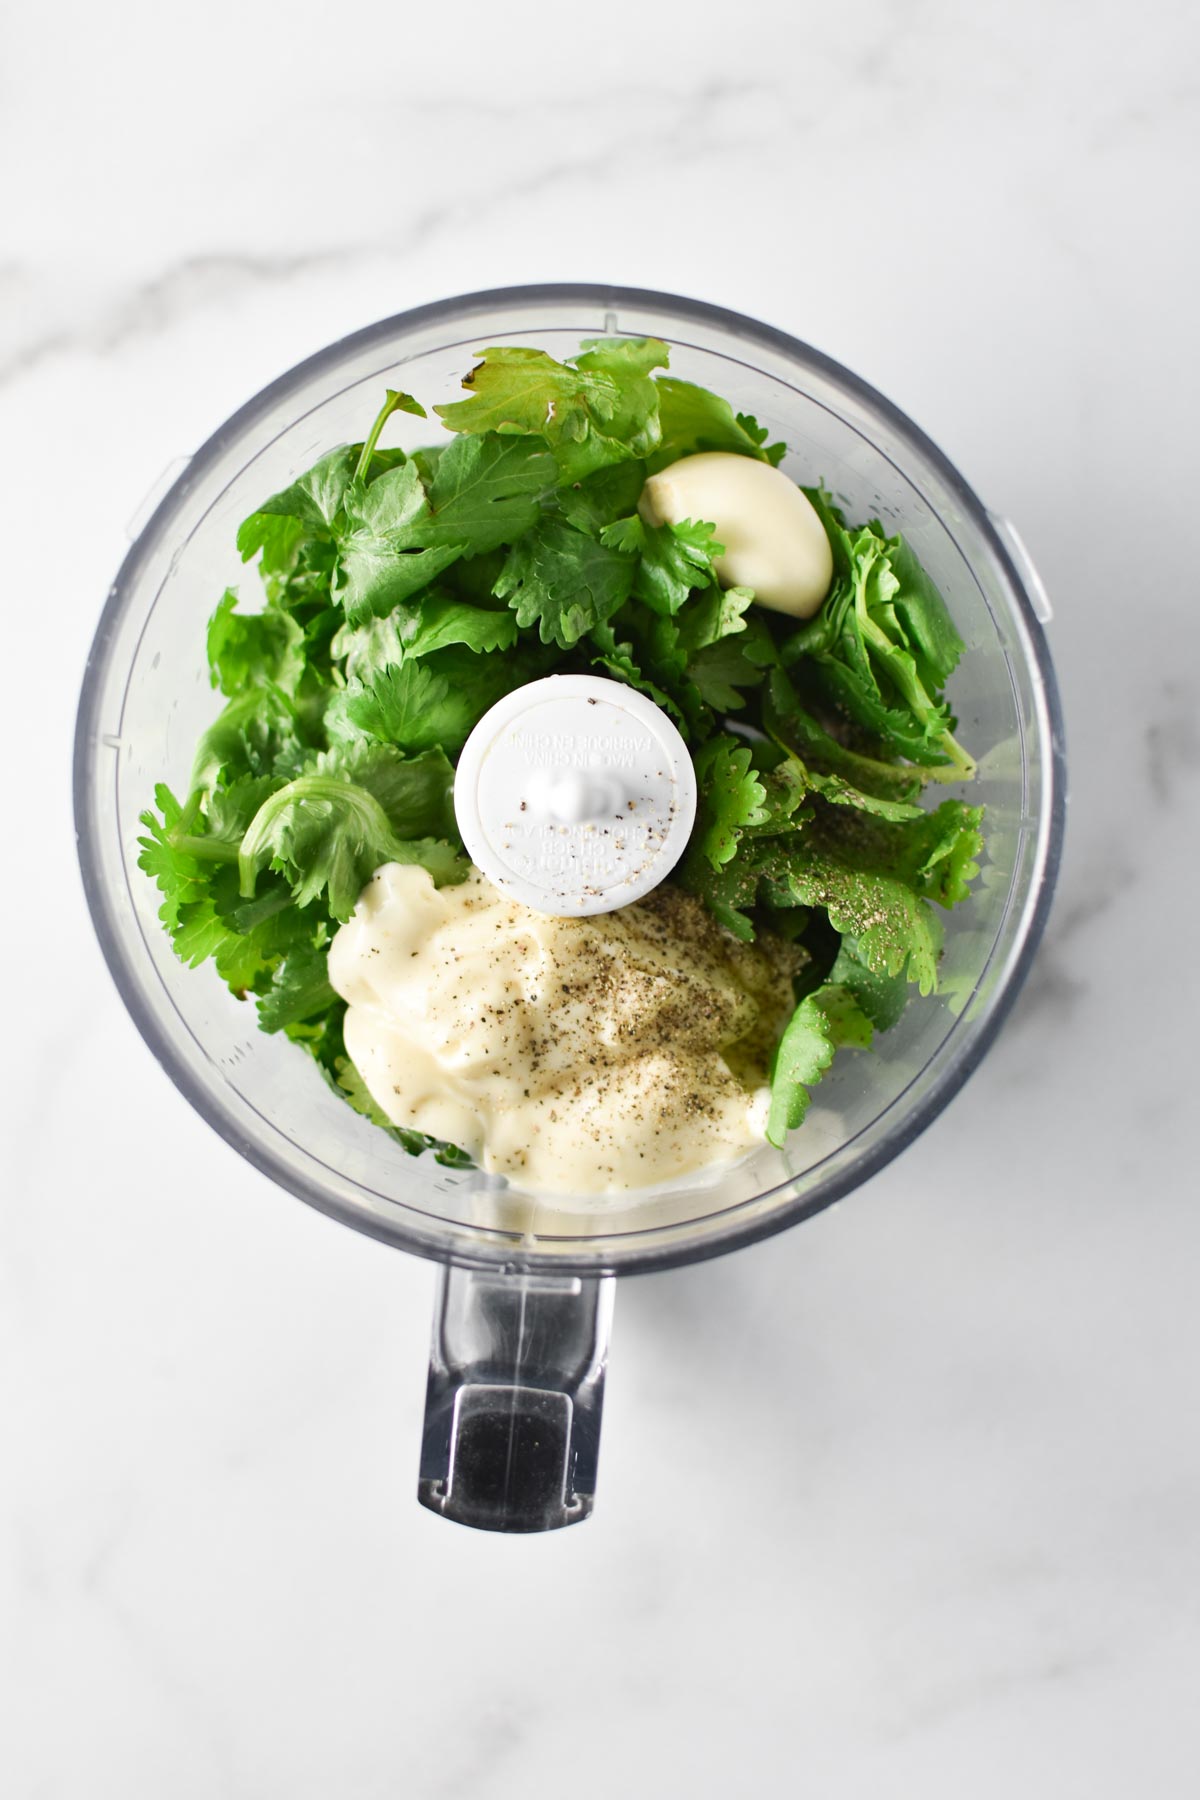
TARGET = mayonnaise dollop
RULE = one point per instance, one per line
(576, 1056)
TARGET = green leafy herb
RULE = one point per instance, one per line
(731, 799)
(824, 1022)
(406, 592)
(248, 650)
(564, 582)
(327, 836)
(600, 408)
(883, 644)
(693, 419)
(672, 559)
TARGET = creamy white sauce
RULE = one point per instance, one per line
(576, 1056)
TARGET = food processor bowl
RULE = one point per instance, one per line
(521, 1320)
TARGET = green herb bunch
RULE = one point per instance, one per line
(405, 594)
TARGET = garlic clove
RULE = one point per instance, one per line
(774, 540)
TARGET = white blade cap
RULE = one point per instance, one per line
(575, 795)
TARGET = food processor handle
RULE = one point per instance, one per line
(512, 1409)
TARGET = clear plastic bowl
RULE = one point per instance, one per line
(146, 697)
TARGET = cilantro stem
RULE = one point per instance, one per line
(191, 811)
(902, 669)
(393, 402)
(204, 849)
(963, 765)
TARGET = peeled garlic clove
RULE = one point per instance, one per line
(774, 541)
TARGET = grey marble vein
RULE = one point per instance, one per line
(209, 279)
(215, 277)
(1172, 740)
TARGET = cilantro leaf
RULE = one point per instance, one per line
(602, 410)
(729, 891)
(618, 659)
(693, 419)
(414, 791)
(824, 1022)
(354, 1089)
(188, 868)
(931, 852)
(246, 738)
(275, 538)
(228, 810)
(328, 835)
(383, 555)
(929, 629)
(672, 559)
(437, 700)
(791, 725)
(711, 615)
(720, 670)
(181, 878)
(314, 498)
(786, 786)
(563, 581)
(485, 491)
(395, 538)
(402, 705)
(445, 621)
(601, 499)
(254, 649)
(882, 997)
(392, 579)
(894, 927)
(731, 798)
(417, 628)
(883, 644)
(837, 791)
(299, 989)
(314, 502)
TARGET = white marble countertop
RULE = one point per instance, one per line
(904, 1502)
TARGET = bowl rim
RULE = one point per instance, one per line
(629, 1251)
